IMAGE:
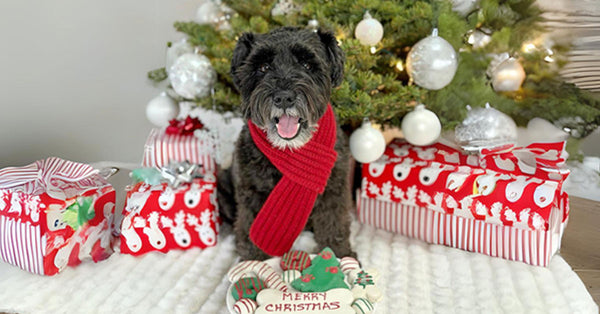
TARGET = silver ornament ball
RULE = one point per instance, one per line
(366, 143)
(432, 62)
(208, 12)
(192, 76)
(464, 7)
(485, 128)
(176, 50)
(507, 76)
(369, 31)
(161, 109)
(421, 126)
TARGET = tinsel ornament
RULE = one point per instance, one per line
(506, 73)
(464, 7)
(367, 144)
(176, 50)
(421, 126)
(369, 31)
(285, 7)
(485, 128)
(161, 109)
(192, 76)
(432, 62)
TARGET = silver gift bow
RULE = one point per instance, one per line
(179, 172)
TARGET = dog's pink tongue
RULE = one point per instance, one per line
(287, 127)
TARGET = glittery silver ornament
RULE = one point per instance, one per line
(192, 76)
(506, 73)
(208, 12)
(161, 109)
(485, 128)
(176, 50)
(421, 126)
(285, 7)
(432, 62)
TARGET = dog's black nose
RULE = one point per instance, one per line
(284, 99)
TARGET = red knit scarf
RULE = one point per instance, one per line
(305, 173)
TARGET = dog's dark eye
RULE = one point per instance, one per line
(306, 65)
(264, 67)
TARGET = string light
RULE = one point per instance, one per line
(399, 66)
(373, 50)
(528, 47)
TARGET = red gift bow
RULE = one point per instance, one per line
(184, 127)
(51, 175)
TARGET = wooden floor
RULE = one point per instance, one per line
(581, 243)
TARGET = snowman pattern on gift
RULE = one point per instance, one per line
(206, 234)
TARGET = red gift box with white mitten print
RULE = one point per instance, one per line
(506, 202)
(162, 218)
(54, 213)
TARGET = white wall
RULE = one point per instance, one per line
(73, 76)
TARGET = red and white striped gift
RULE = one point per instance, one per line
(507, 203)
(199, 148)
(38, 231)
(534, 247)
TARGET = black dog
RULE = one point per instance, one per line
(287, 74)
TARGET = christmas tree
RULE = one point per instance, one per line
(381, 81)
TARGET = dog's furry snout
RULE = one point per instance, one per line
(284, 99)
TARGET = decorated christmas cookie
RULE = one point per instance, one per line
(247, 288)
(296, 260)
(332, 301)
(323, 274)
(325, 284)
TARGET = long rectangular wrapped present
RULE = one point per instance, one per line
(507, 203)
(54, 213)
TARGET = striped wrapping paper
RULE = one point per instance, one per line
(22, 245)
(535, 247)
(162, 148)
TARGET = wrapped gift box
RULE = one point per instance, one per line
(507, 203)
(197, 148)
(161, 218)
(54, 213)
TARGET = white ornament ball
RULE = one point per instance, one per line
(208, 13)
(369, 31)
(176, 50)
(161, 109)
(192, 76)
(464, 7)
(366, 143)
(421, 126)
(432, 62)
(508, 76)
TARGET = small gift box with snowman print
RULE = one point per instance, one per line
(506, 202)
(172, 208)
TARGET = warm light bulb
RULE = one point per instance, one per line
(399, 66)
(528, 47)
(373, 50)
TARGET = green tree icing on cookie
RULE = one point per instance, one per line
(324, 274)
(79, 212)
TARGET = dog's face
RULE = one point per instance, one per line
(285, 78)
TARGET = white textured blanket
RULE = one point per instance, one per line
(416, 278)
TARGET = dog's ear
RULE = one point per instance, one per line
(335, 54)
(241, 51)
